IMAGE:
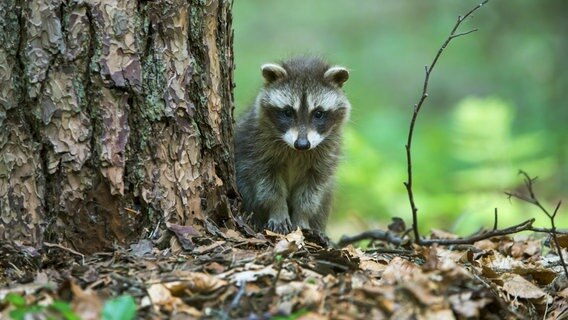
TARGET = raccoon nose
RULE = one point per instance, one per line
(302, 144)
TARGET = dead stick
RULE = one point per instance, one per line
(55, 245)
(417, 108)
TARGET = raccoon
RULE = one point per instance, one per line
(289, 142)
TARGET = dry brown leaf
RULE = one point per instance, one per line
(252, 275)
(529, 248)
(207, 248)
(159, 297)
(562, 240)
(486, 244)
(184, 234)
(419, 291)
(563, 293)
(290, 243)
(215, 268)
(234, 235)
(430, 254)
(302, 293)
(400, 269)
(285, 247)
(195, 282)
(86, 304)
(296, 236)
(449, 260)
(464, 306)
(374, 268)
(518, 287)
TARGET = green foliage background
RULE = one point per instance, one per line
(496, 102)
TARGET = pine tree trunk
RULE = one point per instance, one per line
(114, 115)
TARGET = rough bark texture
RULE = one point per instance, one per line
(114, 115)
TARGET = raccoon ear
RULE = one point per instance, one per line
(272, 72)
(336, 75)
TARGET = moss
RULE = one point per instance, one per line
(154, 83)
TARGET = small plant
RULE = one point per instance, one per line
(120, 308)
(22, 310)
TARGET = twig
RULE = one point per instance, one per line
(370, 235)
(279, 265)
(236, 300)
(532, 198)
(55, 245)
(523, 226)
(381, 235)
(417, 108)
(548, 230)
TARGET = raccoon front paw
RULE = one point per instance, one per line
(283, 226)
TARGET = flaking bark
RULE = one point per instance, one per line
(113, 115)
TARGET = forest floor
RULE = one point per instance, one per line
(215, 273)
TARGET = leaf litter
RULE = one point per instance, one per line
(215, 273)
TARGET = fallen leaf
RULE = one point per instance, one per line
(194, 282)
(400, 269)
(562, 240)
(184, 234)
(466, 307)
(160, 297)
(86, 304)
(518, 287)
(142, 248)
(290, 243)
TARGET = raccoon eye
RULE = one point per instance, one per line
(288, 112)
(318, 114)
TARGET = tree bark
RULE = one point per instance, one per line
(114, 115)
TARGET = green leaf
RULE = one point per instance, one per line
(22, 313)
(18, 314)
(65, 310)
(16, 300)
(121, 308)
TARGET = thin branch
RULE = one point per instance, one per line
(463, 33)
(524, 226)
(55, 245)
(391, 238)
(553, 232)
(386, 236)
(417, 107)
(548, 230)
(236, 300)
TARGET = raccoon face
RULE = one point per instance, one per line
(303, 101)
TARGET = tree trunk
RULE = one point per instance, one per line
(114, 115)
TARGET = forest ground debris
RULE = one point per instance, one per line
(229, 277)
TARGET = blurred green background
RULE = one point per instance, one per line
(497, 103)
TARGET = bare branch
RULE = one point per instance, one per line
(391, 238)
(529, 183)
(556, 209)
(418, 106)
(463, 33)
(524, 226)
(548, 230)
(386, 236)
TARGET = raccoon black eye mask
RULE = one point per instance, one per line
(288, 144)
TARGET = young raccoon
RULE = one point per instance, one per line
(288, 144)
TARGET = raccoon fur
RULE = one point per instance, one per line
(289, 142)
